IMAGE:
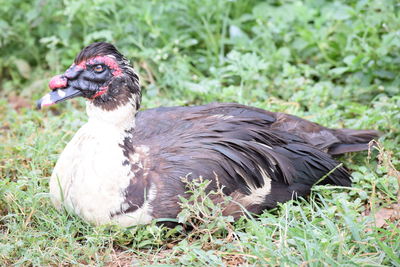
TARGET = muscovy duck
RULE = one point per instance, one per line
(125, 166)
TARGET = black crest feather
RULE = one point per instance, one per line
(98, 49)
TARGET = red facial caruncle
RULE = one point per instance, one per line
(103, 90)
(58, 81)
(109, 61)
(74, 70)
(61, 81)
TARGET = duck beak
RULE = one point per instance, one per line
(60, 92)
(56, 96)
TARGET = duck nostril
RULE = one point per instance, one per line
(57, 82)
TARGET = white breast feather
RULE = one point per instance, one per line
(89, 177)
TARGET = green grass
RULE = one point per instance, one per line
(333, 62)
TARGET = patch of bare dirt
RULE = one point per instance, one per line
(18, 102)
(391, 212)
(384, 215)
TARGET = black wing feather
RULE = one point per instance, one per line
(236, 145)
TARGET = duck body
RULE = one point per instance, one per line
(126, 167)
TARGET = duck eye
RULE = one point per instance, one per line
(98, 68)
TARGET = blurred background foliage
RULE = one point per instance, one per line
(314, 52)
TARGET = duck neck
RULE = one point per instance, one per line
(122, 117)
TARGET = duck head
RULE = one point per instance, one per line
(102, 75)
